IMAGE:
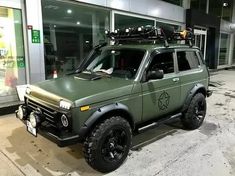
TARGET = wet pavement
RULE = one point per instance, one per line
(163, 151)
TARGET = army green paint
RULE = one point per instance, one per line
(145, 100)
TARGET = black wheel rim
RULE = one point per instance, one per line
(114, 146)
(199, 113)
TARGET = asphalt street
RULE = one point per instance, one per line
(168, 150)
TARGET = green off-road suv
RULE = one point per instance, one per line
(138, 82)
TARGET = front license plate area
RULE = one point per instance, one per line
(31, 129)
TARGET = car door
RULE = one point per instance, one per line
(161, 96)
(190, 69)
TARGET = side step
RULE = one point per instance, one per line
(157, 123)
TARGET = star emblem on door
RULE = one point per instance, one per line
(163, 101)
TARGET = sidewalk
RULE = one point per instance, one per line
(7, 167)
(164, 151)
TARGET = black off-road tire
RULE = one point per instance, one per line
(99, 145)
(195, 114)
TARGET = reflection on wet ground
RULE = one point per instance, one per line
(46, 158)
(208, 128)
(39, 156)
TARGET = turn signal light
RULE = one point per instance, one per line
(85, 108)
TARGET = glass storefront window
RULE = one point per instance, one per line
(124, 21)
(170, 27)
(70, 32)
(198, 5)
(12, 58)
(224, 49)
(173, 26)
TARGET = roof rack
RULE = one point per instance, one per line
(150, 33)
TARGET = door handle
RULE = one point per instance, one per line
(175, 79)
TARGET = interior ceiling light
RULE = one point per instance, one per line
(69, 11)
(78, 22)
(225, 4)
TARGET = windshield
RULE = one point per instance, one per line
(122, 63)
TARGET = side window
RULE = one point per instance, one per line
(163, 61)
(187, 60)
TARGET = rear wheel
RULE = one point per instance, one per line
(195, 114)
(108, 145)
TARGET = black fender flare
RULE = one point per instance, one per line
(97, 115)
(197, 88)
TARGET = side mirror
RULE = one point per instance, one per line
(155, 74)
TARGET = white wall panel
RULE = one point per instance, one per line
(95, 2)
(154, 8)
(225, 26)
(11, 3)
(159, 9)
(119, 4)
(139, 6)
(36, 50)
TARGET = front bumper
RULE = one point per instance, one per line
(61, 137)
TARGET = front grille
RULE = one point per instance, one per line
(48, 113)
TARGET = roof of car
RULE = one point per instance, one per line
(150, 47)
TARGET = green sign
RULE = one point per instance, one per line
(20, 62)
(35, 36)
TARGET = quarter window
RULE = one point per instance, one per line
(187, 60)
(163, 61)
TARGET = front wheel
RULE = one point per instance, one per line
(195, 114)
(108, 145)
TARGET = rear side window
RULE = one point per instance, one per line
(187, 60)
(163, 61)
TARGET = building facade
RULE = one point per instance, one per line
(40, 39)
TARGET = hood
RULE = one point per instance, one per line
(76, 88)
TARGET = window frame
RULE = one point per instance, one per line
(155, 52)
(188, 50)
(85, 63)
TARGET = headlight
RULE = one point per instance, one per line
(64, 120)
(34, 119)
(21, 112)
(65, 104)
(28, 90)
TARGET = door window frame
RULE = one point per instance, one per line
(185, 50)
(152, 54)
(202, 32)
(229, 40)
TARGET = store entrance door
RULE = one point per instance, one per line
(201, 40)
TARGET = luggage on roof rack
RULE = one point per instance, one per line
(150, 33)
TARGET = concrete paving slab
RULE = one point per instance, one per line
(7, 167)
(164, 151)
